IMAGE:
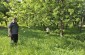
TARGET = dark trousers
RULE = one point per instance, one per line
(14, 38)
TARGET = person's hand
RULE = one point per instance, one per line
(9, 35)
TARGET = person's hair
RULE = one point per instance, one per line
(14, 18)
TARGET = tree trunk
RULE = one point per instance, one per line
(6, 22)
(74, 23)
(81, 24)
(26, 23)
(61, 28)
(44, 27)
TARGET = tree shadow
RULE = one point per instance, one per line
(31, 33)
(26, 33)
(71, 44)
(76, 34)
(3, 31)
(72, 40)
(72, 31)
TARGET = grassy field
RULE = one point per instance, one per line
(37, 42)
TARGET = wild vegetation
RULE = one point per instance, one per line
(64, 18)
(37, 42)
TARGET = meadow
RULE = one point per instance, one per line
(37, 42)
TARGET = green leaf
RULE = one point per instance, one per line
(71, 11)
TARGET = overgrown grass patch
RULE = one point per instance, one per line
(37, 42)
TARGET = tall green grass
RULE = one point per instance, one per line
(37, 42)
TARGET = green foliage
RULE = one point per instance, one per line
(3, 10)
(71, 11)
(55, 14)
(38, 13)
(46, 13)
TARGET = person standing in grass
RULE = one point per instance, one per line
(13, 31)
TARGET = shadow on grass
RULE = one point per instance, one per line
(31, 33)
(3, 31)
(67, 43)
(75, 34)
(74, 39)
(72, 31)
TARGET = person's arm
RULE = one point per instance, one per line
(9, 30)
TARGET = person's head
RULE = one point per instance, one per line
(14, 19)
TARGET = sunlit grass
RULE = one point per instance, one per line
(37, 42)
